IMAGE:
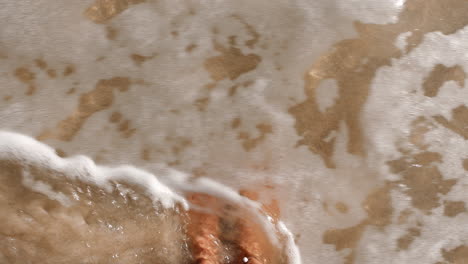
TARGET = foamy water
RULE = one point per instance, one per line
(354, 110)
(30, 153)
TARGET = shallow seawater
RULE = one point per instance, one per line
(355, 111)
(48, 217)
(94, 226)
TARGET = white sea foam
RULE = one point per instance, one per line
(25, 149)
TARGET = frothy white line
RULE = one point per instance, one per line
(291, 247)
(25, 149)
(17, 147)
